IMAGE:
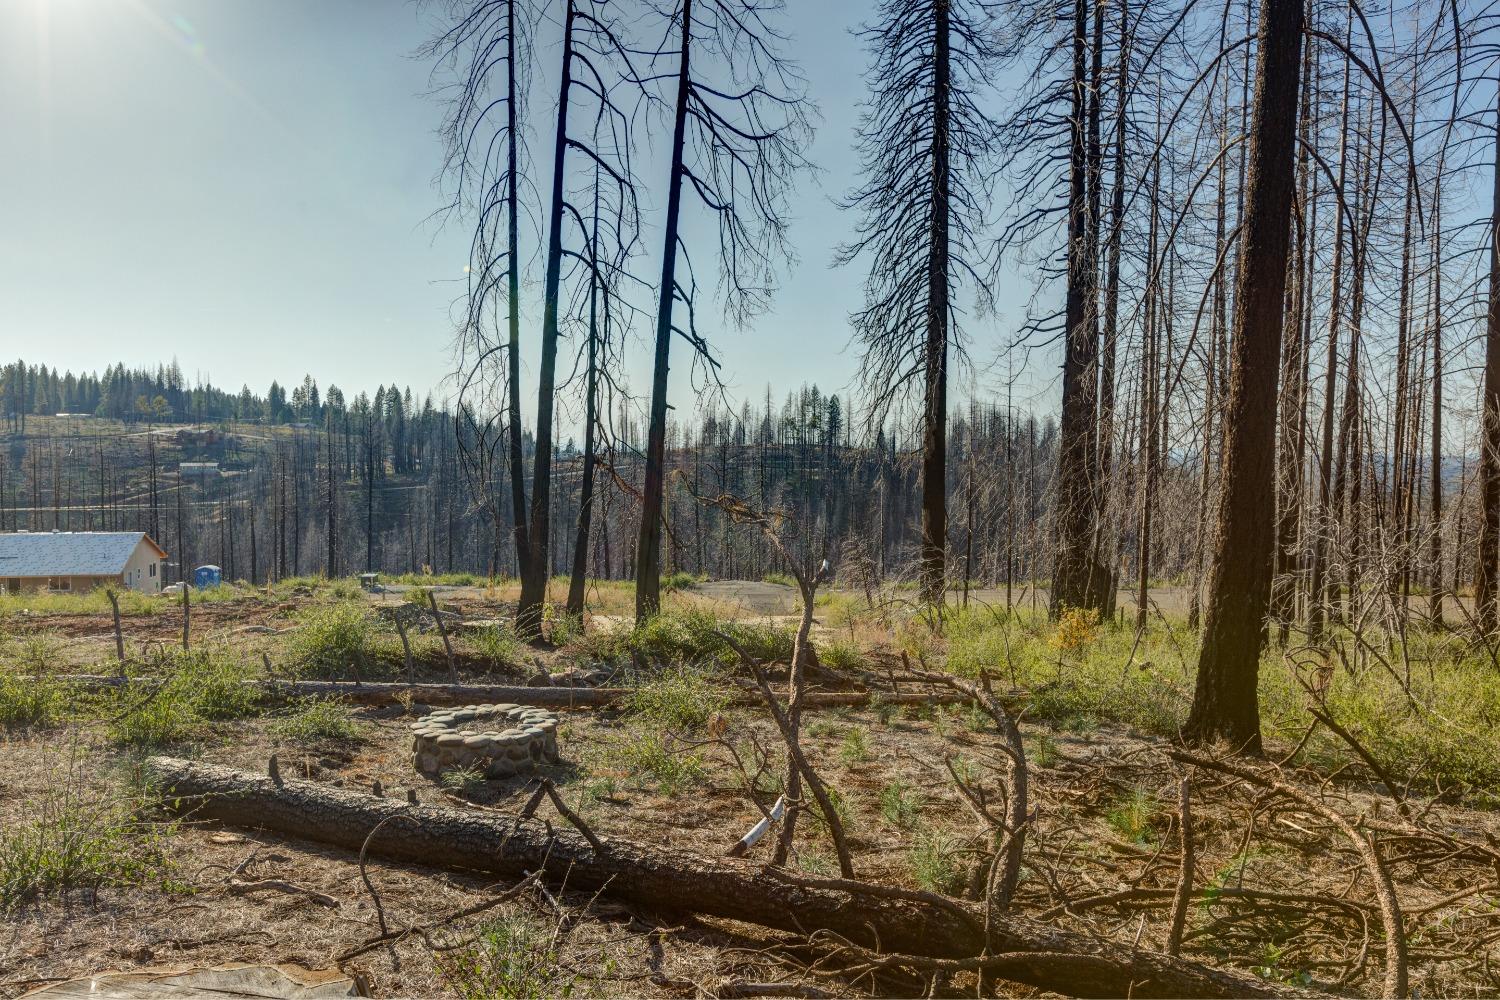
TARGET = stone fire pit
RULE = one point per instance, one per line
(500, 740)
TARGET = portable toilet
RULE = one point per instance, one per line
(206, 576)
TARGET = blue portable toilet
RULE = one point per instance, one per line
(206, 576)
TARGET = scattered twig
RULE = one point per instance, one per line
(468, 911)
(1364, 843)
(794, 749)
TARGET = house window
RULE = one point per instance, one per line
(153, 569)
(60, 583)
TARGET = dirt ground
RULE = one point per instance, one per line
(1282, 891)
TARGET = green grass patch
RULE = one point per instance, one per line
(200, 687)
(1438, 735)
(317, 721)
(514, 958)
(687, 636)
(33, 701)
(498, 644)
(900, 805)
(70, 843)
(333, 639)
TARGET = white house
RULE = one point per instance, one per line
(79, 560)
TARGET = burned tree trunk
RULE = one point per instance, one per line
(1488, 568)
(1224, 704)
(535, 568)
(1079, 579)
(579, 580)
(648, 546)
(935, 412)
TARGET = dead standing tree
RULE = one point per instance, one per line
(595, 60)
(927, 157)
(739, 123)
(1080, 579)
(1488, 569)
(485, 162)
(1058, 120)
(1224, 705)
(606, 211)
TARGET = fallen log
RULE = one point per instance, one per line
(871, 916)
(383, 693)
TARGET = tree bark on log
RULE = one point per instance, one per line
(871, 916)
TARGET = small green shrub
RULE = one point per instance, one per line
(931, 859)
(158, 718)
(601, 789)
(650, 754)
(900, 804)
(840, 806)
(71, 844)
(1134, 816)
(1042, 750)
(498, 644)
(842, 655)
(317, 721)
(680, 581)
(464, 780)
(214, 684)
(784, 579)
(204, 685)
(856, 746)
(681, 700)
(514, 959)
(36, 654)
(29, 701)
(332, 638)
(560, 627)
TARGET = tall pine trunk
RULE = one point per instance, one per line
(648, 546)
(590, 419)
(1318, 590)
(1489, 453)
(536, 567)
(513, 290)
(935, 417)
(1239, 591)
(1078, 578)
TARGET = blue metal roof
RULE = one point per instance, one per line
(68, 553)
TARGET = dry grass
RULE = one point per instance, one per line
(1102, 789)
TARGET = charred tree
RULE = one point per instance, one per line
(1225, 703)
(736, 143)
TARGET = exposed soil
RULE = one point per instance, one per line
(1105, 823)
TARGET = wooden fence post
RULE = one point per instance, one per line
(114, 604)
(443, 631)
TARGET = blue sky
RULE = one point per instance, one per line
(247, 185)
